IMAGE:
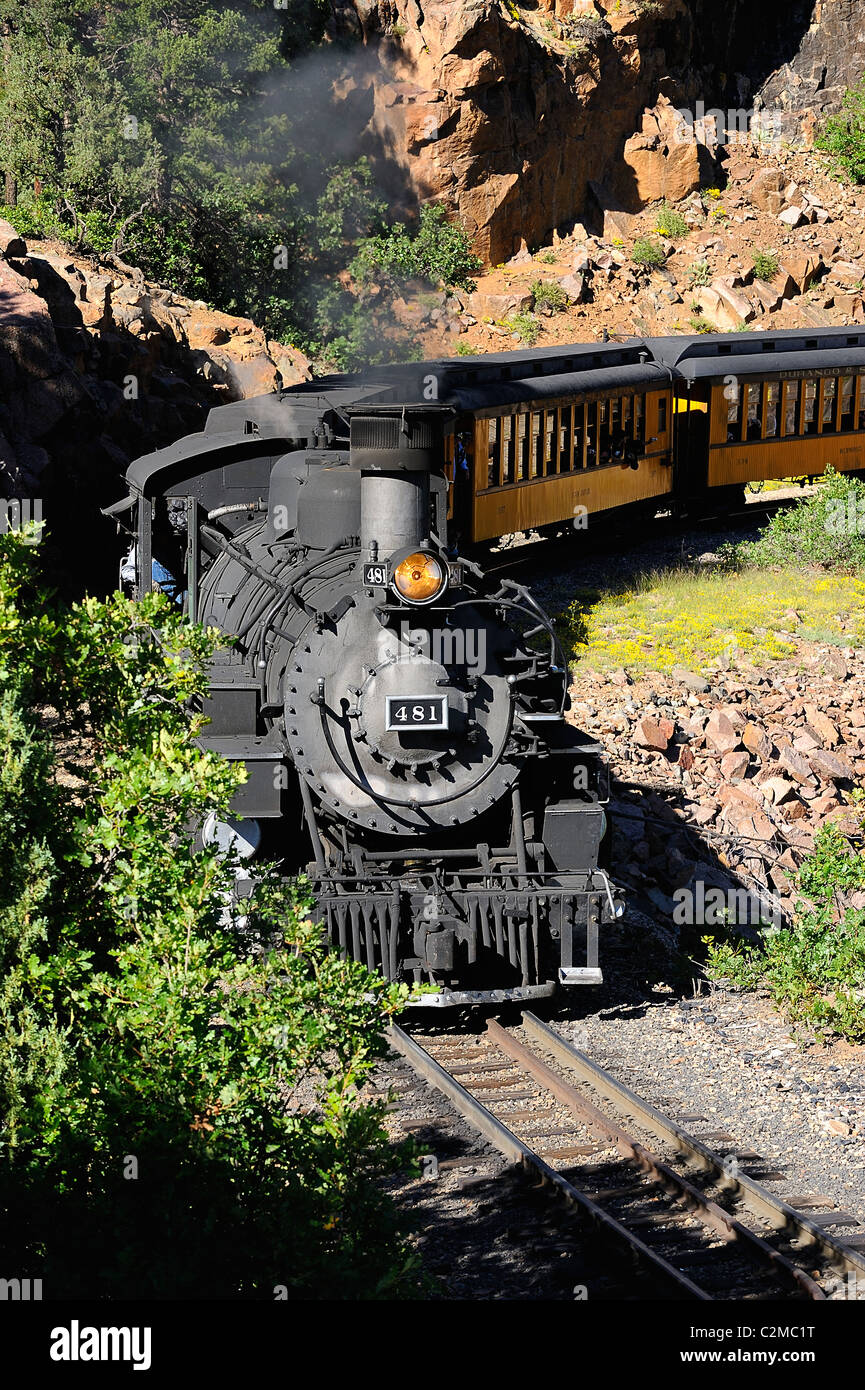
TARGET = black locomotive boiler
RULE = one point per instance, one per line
(400, 712)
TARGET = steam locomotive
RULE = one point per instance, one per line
(399, 710)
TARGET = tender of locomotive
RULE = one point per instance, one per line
(399, 711)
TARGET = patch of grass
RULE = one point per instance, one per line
(550, 296)
(671, 223)
(465, 350)
(548, 258)
(689, 618)
(765, 265)
(700, 324)
(648, 253)
(814, 969)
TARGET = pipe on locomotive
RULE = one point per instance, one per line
(396, 452)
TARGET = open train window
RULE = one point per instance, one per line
(830, 396)
(551, 449)
(524, 438)
(733, 394)
(604, 445)
(662, 415)
(639, 423)
(566, 438)
(755, 410)
(592, 434)
(536, 461)
(493, 452)
(810, 415)
(791, 407)
(507, 470)
(579, 435)
(848, 418)
(773, 398)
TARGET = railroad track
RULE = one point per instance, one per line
(689, 1221)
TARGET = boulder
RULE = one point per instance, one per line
(802, 270)
(768, 296)
(792, 217)
(574, 287)
(499, 305)
(12, 246)
(767, 190)
(735, 765)
(831, 767)
(654, 733)
(720, 733)
(690, 680)
(846, 273)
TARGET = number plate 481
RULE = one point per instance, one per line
(416, 712)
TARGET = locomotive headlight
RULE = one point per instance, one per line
(419, 578)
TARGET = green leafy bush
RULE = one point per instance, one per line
(526, 325)
(648, 253)
(437, 251)
(700, 273)
(184, 1112)
(843, 136)
(671, 223)
(814, 969)
(765, 265)
(548, 295)
(826, 529)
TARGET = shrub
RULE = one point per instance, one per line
(550, 296)
(437, 251)
(826, 529)
(765, 265)
(526, 326)
(153, 1140)
(700, 273)
(815, 968)
(648, 253)
(671, 223)
(700, 324)
(843, 135)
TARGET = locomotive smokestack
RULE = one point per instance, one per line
(396, 452)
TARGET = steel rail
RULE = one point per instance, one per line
(703, 1208)
(756, 1198)
(515, 1149)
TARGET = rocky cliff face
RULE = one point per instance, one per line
(518, 115)
(98, 366)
